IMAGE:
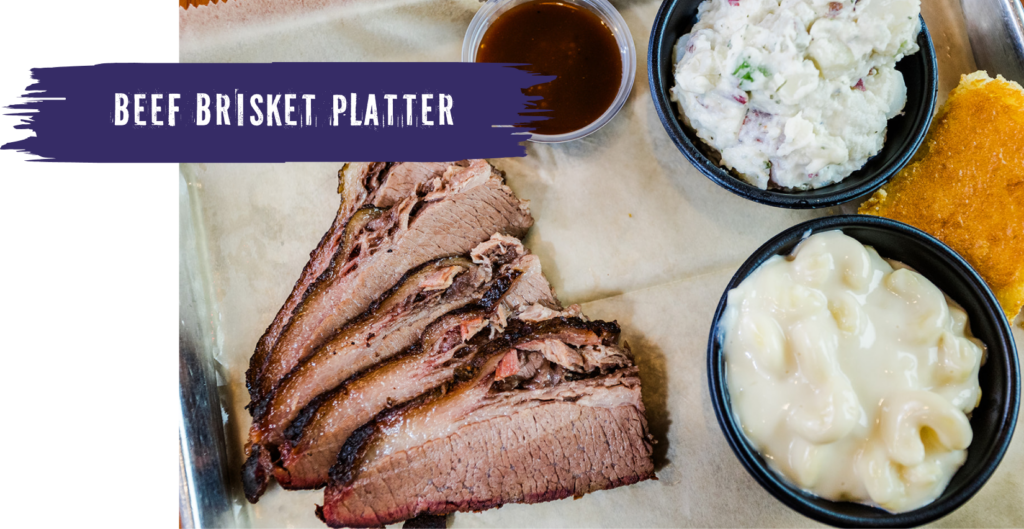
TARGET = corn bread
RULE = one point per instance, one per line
(966, 184)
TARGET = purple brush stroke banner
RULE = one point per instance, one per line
(73, 111)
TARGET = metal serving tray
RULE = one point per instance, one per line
(996, 31)
(205, 498)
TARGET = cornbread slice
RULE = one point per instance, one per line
(966, 184)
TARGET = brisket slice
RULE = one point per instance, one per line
(307, 457)
(378, 184)
(543, 431)
(392, 324)
(450, 215)
(549, 452)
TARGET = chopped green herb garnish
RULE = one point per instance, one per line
(743, 71)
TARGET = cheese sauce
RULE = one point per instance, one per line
(852, 375)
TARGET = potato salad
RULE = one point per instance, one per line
(795, 94)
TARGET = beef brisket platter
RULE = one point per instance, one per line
(422, 364)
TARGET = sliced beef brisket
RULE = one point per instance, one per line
(544, 453)
(421, 364)
(392, 325)
(450, 215)
(378, 184)
(306, 459)
(359, 176)
(541, 431)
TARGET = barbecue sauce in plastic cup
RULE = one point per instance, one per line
(561, 39)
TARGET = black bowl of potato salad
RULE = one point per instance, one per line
(863, 373)
(794, 103)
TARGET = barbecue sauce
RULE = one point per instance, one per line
(560, 39)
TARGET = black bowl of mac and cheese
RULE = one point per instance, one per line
(992, 421)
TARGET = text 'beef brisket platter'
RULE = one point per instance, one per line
(422, 364)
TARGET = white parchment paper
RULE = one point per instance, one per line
(624, 224)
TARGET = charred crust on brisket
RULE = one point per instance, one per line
(519, 331)
(497, 291)
(256, 474)
(258, 408)
(463, 373)
(570, 376)
(343, 470)
(294, 430)
(426, 521)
